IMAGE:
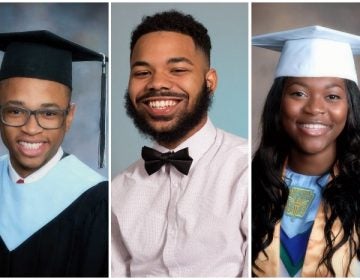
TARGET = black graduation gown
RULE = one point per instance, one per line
(75, 243)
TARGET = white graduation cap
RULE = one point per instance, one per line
(313, 51)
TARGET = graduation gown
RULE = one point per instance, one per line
(270, 266)
(72, 243)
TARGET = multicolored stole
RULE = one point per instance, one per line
(300, 211)
(270, 265)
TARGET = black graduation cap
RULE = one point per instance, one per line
(44, 55)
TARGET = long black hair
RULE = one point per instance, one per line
(341, 196)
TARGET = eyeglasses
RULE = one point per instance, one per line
(45, 118)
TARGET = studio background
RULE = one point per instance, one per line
(84, 24)
(276, 17)
(227, 25)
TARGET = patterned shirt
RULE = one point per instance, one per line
(170, 224)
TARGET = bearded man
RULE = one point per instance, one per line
(181, 210)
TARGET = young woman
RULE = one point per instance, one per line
(306, 171)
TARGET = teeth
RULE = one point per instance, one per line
(161, 104)
(30, 146)
(313, 126)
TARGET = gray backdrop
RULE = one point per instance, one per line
(87, 25)
(281, 16)
(228, 28)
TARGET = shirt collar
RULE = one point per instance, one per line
(198, 143)
(38, 174)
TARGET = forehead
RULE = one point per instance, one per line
(165, 44)
(31, 91)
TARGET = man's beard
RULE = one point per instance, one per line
(185, 123)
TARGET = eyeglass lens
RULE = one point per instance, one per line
(46, 118)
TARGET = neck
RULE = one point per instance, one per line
(25, 171)
(172, 145)
(312, 164)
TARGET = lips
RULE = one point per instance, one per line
(31, 149)
(162, 104)
(30, 146)
(314, 129)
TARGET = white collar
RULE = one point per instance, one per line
(38, 174)
(198, 143)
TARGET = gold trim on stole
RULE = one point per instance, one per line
(315, 247)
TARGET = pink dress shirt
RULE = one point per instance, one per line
(172, 225)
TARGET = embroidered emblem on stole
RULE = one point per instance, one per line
(298, 202)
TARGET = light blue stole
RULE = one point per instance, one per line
(308, 189)
(26, 208)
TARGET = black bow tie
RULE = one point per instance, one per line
(154, 160)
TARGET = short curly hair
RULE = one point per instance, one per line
(174, 21)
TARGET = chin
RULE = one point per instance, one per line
(312, 149)
(162, 126)
(32, 164)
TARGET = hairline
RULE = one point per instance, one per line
(197, 46)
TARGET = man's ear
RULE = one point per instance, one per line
(70, 116)
(211, 80)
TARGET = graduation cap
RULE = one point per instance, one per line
(44, 55)
(313, 51)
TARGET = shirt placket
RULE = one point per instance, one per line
(169, 254)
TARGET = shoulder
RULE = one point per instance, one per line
(134, 175)
(233, 140)
(4, 159)
(232, 146)
(99, 192)
(135, 169)
(94, 201)
(76, 168)
(96, 194)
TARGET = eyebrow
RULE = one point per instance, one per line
(140, 63)
(20, 103)
(49, 105)
(334, 85)
(169, 61)
(14, 102)
(180, 59)
(331, 85)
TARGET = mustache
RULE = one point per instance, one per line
(154, 93)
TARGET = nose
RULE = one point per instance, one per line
(159, 81)
(315, 105)
(31, 127)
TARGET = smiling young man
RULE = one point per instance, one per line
(53, 208)
(31, 146)
(182, 209)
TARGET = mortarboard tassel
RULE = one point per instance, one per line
(102, 123)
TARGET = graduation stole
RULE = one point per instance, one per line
(269, 266)
(25, 209)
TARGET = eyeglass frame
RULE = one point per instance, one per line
(64, 112)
